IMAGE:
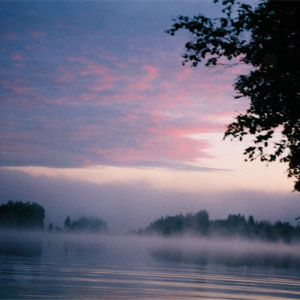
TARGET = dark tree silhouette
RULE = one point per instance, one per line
(202, 219)
(50, 227)
(266, 38)
(199, 224)
(67, 224)
(22, 215)
(87, 224)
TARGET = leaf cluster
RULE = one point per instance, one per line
(266, 38)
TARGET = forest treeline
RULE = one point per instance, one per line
(20, 215)
(234, 226)
(85, 224)
(30, 215)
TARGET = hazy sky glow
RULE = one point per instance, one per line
(94, 92)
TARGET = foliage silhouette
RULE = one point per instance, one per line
(266, 38)
(233, 226)
(85, 224)
(67, 224)
(202, 221)
(50, 227)
(22, 215)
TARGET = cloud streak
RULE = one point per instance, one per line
(90, 87)
(93, 112)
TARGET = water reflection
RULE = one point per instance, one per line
(22, 245)
(203, 258)
(128, 267)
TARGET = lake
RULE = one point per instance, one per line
(63, 266)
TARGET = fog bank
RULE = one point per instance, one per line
(135, 205)
(108, 249)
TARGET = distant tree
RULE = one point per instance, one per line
(50, 227)
(251, 221)
(67, 224)
(22, 215)
(283, 231)
(266, 38)
(265, 231)
(233, 226)
(190, 222)
(168, 225)
(86, 224)
(202, 221)
(236, 224)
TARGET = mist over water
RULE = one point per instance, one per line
(132, 206)
(61, 265)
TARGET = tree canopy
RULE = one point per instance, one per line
(265, 37)
(87, 224)
(234, 226)
(22, 215)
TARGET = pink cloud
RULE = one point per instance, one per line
(129, 96)
(29, 47)
(131, 117)
(37, 34)
(102, 77)
(22, 90)
(18, 57)
(65, 75)
(188, 150)
(155, 139)
(20, 66)
(9, 35)
(159, 108)
(77, 59)
(162, 142)
(55, 100)
(140, 86)
(122, 155)
(94, 69)
(17, 87)
(87, 97)
(184, 74)
(102, 84)
(152, 72)
(145, 81)
(226, 114)
(188, 130)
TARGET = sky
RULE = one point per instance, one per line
(99, 117)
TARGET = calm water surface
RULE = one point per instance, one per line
(34, 266)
